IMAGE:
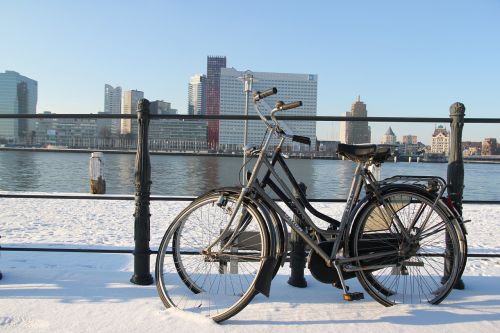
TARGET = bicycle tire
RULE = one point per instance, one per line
(215, 285)
(418, 273)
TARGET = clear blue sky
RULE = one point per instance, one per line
(405, 58)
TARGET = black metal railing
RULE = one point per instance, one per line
(142, 172)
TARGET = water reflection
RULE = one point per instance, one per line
(119, 173)
(19, 172)
(194, 175)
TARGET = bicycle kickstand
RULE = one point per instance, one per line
(347, 296)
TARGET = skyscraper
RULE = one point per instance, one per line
(355, 132)
(129, 106)
(18, 95)
(197, 95)
(113, 105)
(161, 107)
(360, 130)
(214, 65)
(345, 129)
(291, 87)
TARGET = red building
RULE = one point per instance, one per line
(214, 64)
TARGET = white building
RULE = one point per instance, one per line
(440, 141)
(129, 106)
(197, 95)
(345, 128)
(113, 105)
(291, 87)
(389, 138)
(18, 95)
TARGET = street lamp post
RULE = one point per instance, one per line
(248, 81)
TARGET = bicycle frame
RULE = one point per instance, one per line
(362, 177)
(285, 194)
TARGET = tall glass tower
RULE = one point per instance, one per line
(197, 95)
(214, 65)
(113, 105)
(129, 106)
(18, 95)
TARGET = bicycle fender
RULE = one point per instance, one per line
(263, 281)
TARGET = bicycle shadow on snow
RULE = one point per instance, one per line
(480, 301)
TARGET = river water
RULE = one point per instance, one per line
(193, 175)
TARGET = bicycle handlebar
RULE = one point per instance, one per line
(301, 139)
(258, 95)
(289, 106)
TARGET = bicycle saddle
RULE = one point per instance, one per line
(364, 152)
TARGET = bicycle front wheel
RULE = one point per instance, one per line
(208, 265)
(423, 247)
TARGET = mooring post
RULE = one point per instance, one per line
(298, 251)
(142, 251)
(456, 164)
(96, 173)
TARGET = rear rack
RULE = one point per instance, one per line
(431, 184)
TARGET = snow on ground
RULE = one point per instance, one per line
(74, 292)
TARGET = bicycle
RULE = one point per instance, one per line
(402, 240)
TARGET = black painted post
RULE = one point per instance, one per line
(456, 163)
(142, 251)
(297, 253)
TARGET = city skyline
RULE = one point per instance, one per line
(404, 59)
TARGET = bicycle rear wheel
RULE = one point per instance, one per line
(219, 282)
(421, 269)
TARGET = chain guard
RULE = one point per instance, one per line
(320, 271)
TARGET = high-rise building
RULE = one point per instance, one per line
(440, 141)
(197, 95)
(161, 107)
(360, 130)
(214, 66)
(129, 106)
(354, 132)
(112, 105)
(291, 87)
(345, 129)
(18, 95)
(389, 138)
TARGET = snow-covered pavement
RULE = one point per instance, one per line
(75, 292)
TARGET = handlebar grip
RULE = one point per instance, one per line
(291, 105)
(302, 139)
(258, 95)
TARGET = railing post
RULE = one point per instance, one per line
(456, 165)
(142, 251)
(455, 160)
(298, 252)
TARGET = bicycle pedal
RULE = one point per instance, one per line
(355, 296)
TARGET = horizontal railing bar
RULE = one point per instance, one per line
(55, 249)
(172, 198)
(130, 251)
(92, 197)
(242, 117)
